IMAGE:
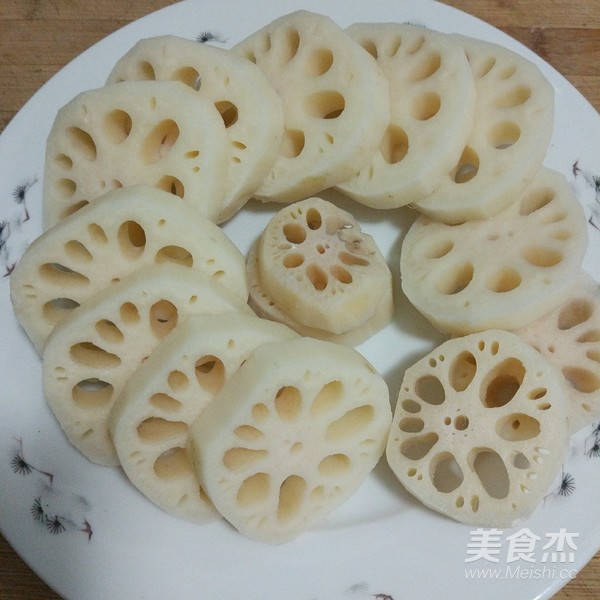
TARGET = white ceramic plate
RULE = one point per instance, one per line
(107, 541)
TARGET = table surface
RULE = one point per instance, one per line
(38, 38)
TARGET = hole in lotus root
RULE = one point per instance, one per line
(62, 276)
(254, 489)
(581, 379)
(239, 459)
(575, 313)
(352, 260)
(288, 403)
(514, 97)
(504, 135)
(228, 112)
(292, 143)
(82, 142)
(54, 310)
(66, 188)
(394, 145)
(455, 278)
(438, 248)
(90, 355)
(502, 383)
(542, 257)
(319, 62)
(593, 335)
(174, 254)
(294, 233)
(129, 313)
(187, 75)
(132, 239)
(248, 433)
(535, 200)
(260, 412)
(291, 497)
(291, 261)
(467, 167)
(165, 402)
(410, 406)
(159, 141)
(429, 65)
(163, 317)
(313, 219)
(109, 332)
(177, 381)
(350, 425)
(426, 106)
(518, 427)
(446, 474)
(491, 471)
(289, 49)
(415, 45)
(92, 393)
(411, 425)
(210, 373)
(520, 461)
(172, 185)
(431, 390)
(503, 280)
(156, 430)
(417, 447)
(328, 398)
(77, 251)
(325, 105)
(370, 47)
(462, 371)
(334, 465)
(341, 274)
(172, 464)
(117, 126)
(317, 277)
(97, 234)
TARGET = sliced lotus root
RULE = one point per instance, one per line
(104, 242)
(318, 267)
(291, 435)
(432, 108)
(514, 120)
(149, 421)
(92, 352)
(480, 429)
(335, 103)
(162, 133)
(569, 337)
(503, 272)
(251, 108)
(265, 307)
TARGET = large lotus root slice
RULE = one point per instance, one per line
(318, 267)
(290, 436)
(503, 272)
(432, 109)
(104, 242)
(335, 103)
(150, 420)
(162, 133)
(480, 429)
(514, 120)
(92, 352)
(251, 108)
(569, 337)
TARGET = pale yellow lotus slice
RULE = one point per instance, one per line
(432, 93)
(502, 272)
(291, 435)
(514, 120)
(162, 133)
(335, 102)
(91, 353)
(107, 240)
(480, 429)
(249, 105)
(149, 422)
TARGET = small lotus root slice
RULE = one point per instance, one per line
(480, 429)
(264, 306)
(569, 337)
(104, 242)
(251, 108)
(149, 422)
(319, 268)
(503, 272)
(432, 109)
(162, 133)
(335, 98)
(92, 352)
(514, 120)
(290, 436)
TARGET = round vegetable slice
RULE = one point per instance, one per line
(290, 436)
(514, 120)
(92, 352)
(480, 429)
(318, 267)
(335, 103)
(107, 240)
(249, 105)
(149, 421)
(569, 337)
(162, 133)
(494, 273)
(432, 109)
